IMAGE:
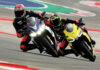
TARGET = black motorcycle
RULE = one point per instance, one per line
(42, 35)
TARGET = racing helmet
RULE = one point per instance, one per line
(19, 11)
(69, 27)
(55, 20)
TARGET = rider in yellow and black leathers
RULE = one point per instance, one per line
(75, 36)
(57, 25)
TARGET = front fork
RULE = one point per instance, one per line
(92, 47)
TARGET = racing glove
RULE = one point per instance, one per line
(21, 31)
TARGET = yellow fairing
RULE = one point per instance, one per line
(85, 34)
(73, 34)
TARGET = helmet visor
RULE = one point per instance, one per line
(19, 13)
(56, 22)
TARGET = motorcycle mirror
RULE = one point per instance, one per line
(80, 20)
(43, 13)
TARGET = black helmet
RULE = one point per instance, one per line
(55, 20)
(19, 10)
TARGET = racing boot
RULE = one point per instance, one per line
(28, 47)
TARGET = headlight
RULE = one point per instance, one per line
(39, 32)
(42, 28)
(33, 34)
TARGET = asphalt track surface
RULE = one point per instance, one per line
(10, 52)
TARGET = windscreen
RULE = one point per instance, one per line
(31, 21)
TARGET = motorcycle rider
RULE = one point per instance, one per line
(57, 25)
(20, 23)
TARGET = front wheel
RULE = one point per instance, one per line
(50, 48)
(88, 53)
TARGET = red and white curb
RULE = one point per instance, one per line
(91, 3)
(12, 66)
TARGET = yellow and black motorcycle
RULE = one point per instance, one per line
(79, 41)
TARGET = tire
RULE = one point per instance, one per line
(50, 49)
(88, 53)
